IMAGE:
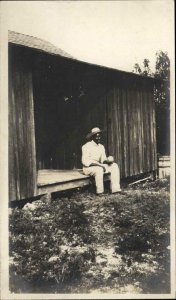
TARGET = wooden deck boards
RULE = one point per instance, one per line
(50, 181)
(50, 176)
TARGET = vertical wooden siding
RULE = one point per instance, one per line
(131, 138)
(22, 165)
(124, 107)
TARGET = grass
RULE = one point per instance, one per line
(87, 244)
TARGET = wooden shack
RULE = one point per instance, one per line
(55, 100)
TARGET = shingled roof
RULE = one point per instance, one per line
(42, 45)
(34, 42)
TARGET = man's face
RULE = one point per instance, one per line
(97, 138)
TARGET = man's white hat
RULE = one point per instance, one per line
(93, 132)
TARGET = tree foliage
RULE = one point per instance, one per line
(162, 65)
(161, 96)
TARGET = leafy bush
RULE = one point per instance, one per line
(146, 228)
(37, 240)
(85, 243)
(156, 185)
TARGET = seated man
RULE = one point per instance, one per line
(95, 162)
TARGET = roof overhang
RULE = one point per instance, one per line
(47, 47)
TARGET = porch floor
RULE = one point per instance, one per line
(50, 180)
(54, 176)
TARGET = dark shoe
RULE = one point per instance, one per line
(100, 194)
(119, 192)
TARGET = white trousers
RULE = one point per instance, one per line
(98, 173)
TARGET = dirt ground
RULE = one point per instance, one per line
(82, 243)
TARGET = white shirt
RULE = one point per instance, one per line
(93, 153)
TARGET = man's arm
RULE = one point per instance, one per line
(104, 159)
(98, 165)
(109, 161)
(87, 161)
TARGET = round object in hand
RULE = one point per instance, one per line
(110, 159)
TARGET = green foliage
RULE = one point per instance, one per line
(144, 227)
(144, 70)
(37, 239)
(161, 96)
(162, 65)
(137, 69)
(84, 243)
(162, 101)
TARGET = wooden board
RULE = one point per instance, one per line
(131, 128)
(22, 156)
(50, 181)
(46, 177)
(57, 187)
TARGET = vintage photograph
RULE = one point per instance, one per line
(88, 205)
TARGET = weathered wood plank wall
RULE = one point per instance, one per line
(22, 157)
(131, 121)
(122, 105)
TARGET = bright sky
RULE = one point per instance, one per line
(111, 33)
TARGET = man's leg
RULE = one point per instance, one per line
(97, 172)
(114, 177)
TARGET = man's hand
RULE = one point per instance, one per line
(98, 165)
(109, 160)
